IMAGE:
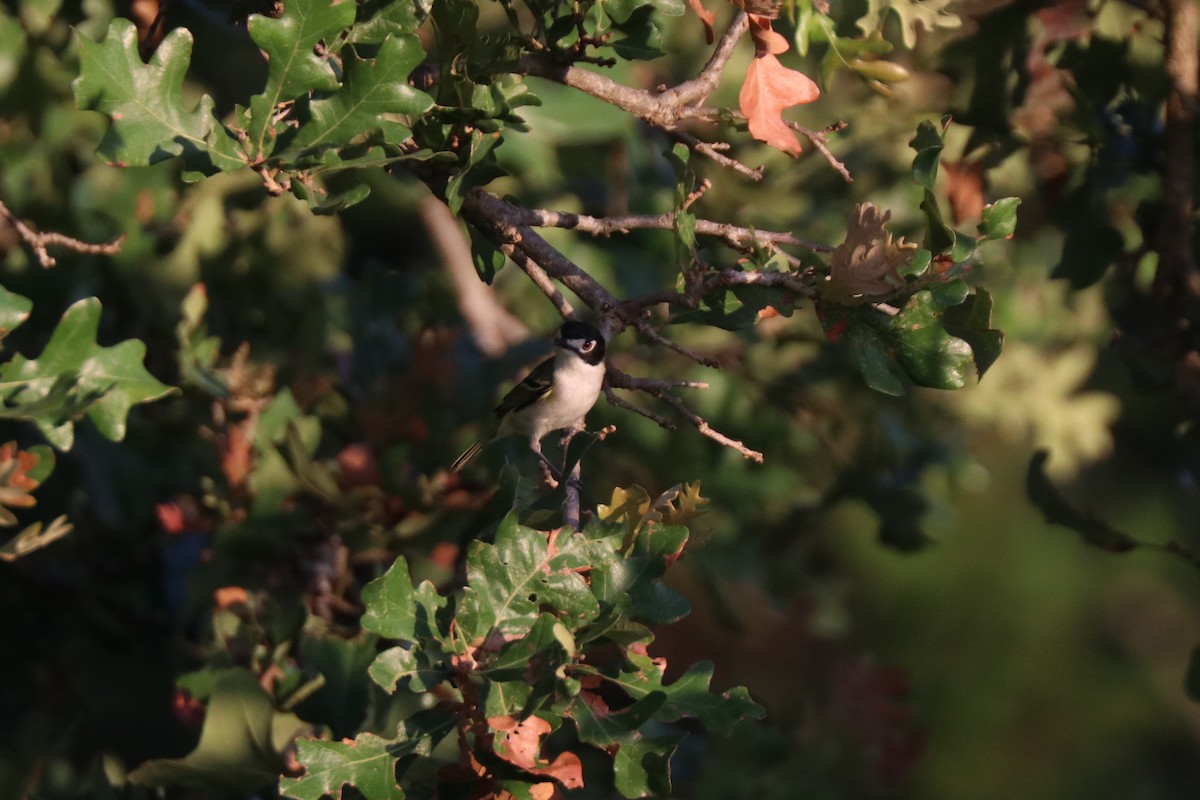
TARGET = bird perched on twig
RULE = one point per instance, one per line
(556, 394)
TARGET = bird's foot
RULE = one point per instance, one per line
(547, 472)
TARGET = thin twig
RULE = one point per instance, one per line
(620, 402)
(38, 242)
(658, 389)
(818, 141)
(650, 332)
(736, 236)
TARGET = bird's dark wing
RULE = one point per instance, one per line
(535, 386)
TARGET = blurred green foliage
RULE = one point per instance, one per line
(881, 584)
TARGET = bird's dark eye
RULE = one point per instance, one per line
(588, 346)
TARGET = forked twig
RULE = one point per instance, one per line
(38, 242)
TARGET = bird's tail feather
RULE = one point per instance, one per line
(467, 455)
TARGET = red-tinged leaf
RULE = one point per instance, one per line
(522, 740)
(964, 187)
(236, 458)
(771, 87)
(566, 768)
(521, 746)
(706, 16)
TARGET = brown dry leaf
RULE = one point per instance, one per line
(522, 744)
(544, 791)
(769, 88)
(567, 769)
(867, 264)
(964, 187)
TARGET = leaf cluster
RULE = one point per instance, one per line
(541, 664)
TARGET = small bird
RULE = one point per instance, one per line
(556, 394)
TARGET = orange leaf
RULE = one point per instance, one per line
(771, 87)
(765, 39)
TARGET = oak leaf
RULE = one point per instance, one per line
(867, 265)
(769, 88)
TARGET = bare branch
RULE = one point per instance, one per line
(505, 223)
(818, 141)
(620, 402)
(38, 242)
(736, 236)
(658, 389)
(650, 332)
(512, 228)
(662, 109)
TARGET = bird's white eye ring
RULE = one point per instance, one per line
(588, 346)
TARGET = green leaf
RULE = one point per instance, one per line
(368, 763)
(643, 39)
(604, 728)
(642, 767)
(873, 360)
(397, 610)
(341, 700)
(379, 20)
(293, 68)
(929, 14)
(510, 580)
(145, 101)
(999, 219)
(528, 671)
(971, 321)
(930, 355)
(105, 381)
(632, 584)
(928, 144)
(14, 309)
(240, 743)
(485, 255)
(372, 91)
(689, 696)
(417, 669)
(478, 169)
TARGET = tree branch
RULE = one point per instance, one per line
(39, 242)
(735, 236)
(658, 389)
(508, 225)
(663, 109)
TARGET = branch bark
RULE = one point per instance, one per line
(39, 242)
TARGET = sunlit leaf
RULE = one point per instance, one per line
(106, 382)
(150, 122)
